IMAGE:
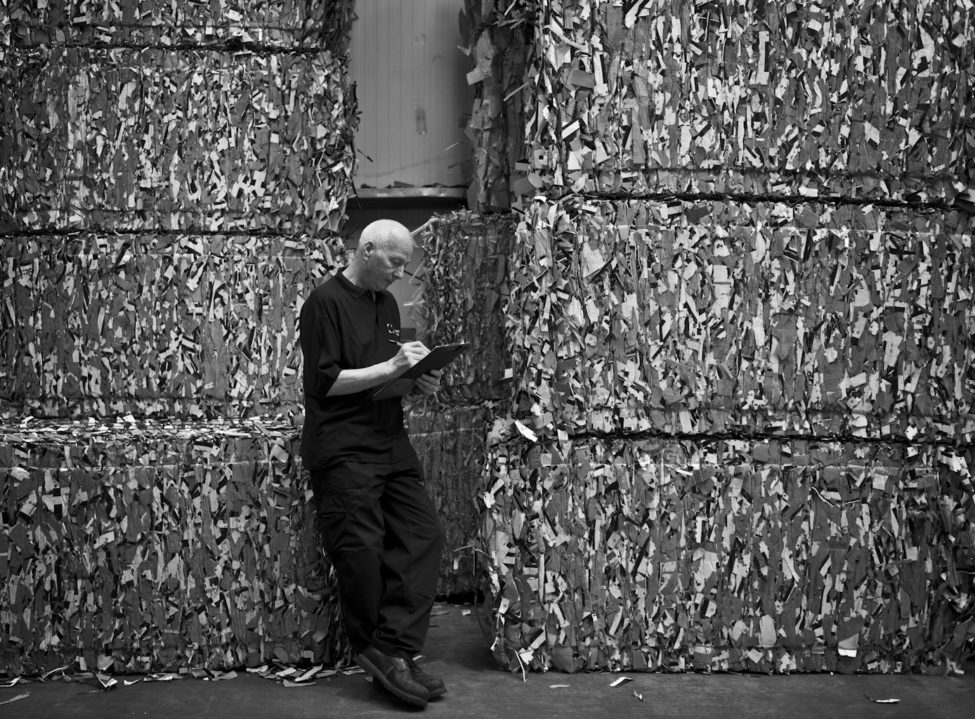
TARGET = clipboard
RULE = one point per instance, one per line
(439, 357)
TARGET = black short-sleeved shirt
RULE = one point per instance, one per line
(343, 326)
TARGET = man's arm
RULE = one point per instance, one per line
(350, 381)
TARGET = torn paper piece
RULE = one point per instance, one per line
(526, 432)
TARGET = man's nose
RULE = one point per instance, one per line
(398, 272)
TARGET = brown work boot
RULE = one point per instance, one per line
(434, 685)
(395, 676)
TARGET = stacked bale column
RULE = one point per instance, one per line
(172, 177)
(740, 318)
(464, 279)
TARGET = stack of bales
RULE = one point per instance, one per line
(740, 320)
(464, 275)
(172, 174)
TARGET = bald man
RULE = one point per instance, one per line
(376, 521)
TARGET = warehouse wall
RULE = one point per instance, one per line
(409, 79)
(739, 428)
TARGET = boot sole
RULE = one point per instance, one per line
(435, 694)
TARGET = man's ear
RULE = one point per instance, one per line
(367, 248)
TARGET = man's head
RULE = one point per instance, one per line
(384, 251)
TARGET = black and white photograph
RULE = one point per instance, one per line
(487, 358)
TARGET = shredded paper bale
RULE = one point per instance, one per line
(159, 325)
(722, 317)
(271, 24)
(140, 545)
(464, 275)
(842, 98)
(150, 138)
(451, 444)
(729, 555)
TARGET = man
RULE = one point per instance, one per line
(377, 523)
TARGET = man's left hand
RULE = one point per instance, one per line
(429, 383)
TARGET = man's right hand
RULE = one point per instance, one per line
(350, 381)
(409, 354)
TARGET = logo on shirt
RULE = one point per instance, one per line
(392, 332)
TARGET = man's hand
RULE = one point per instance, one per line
(409, 354)
(429, 383)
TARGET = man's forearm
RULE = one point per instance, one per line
(351, 381)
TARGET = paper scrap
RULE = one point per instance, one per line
(526, 432)
(14, 699)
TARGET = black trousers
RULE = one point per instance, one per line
(383, 537)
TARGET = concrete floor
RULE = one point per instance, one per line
(476, 688)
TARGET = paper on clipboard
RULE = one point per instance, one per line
(439, 357)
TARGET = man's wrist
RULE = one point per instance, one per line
(390, 370)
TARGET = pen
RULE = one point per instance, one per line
(396, 343)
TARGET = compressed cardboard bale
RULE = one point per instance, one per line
(282, 23)
(176, 139)
(728, 555)
(200, 551)
(464, 285)
(719, 317)
(792, 99)
(156, 324)
(463, 279)
(451, 445)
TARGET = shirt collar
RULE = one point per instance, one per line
(350, 286)
(356, 291)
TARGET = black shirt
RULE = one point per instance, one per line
(343, 326)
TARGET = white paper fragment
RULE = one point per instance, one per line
(526, 432)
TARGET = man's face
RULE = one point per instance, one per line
(387, 262)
